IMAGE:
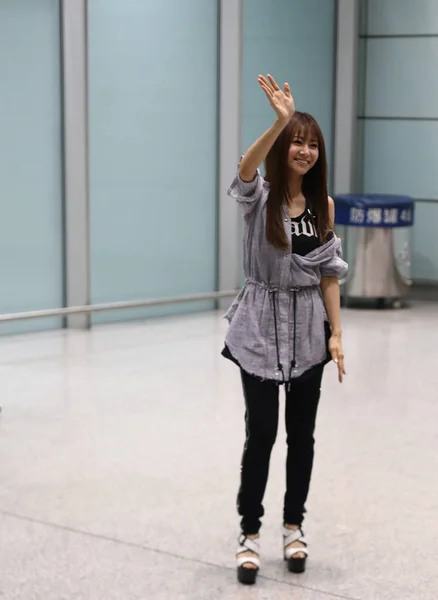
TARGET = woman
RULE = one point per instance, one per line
(285, 324)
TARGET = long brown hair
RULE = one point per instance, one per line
(314, 185)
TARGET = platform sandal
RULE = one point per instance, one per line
(295, 564)
(247, 575)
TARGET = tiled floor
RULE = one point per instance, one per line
(119, 466)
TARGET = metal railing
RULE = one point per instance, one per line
(91, 308)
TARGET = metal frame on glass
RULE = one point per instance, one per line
(76, 189)
(346, 84)
(230, 126)
(346, 102)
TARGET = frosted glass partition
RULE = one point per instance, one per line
(425, 242)
(153, 70)
(399, 117)
(393, 166)
(31, 232)
(399, 77)
(402, 17)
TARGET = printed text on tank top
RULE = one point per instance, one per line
(304, 237)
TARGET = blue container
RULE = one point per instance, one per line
(377, 248)
(374, 210)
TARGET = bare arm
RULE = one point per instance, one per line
(284, 107)
(257, 153)
(332, 300)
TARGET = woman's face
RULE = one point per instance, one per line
(303, 152)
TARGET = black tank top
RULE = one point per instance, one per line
(303, 233)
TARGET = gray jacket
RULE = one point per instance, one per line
(278, 324)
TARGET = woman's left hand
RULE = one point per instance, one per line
(337, 353)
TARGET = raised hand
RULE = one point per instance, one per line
(280, 100)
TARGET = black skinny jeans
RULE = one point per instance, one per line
(261, 418)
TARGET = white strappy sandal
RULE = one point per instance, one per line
(244, 574)
(295, 564)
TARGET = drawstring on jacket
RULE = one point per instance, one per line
(274, 291)
(293, 364)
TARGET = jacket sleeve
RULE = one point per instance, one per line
(247, 193)
(334, 265)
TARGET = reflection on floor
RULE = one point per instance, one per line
(119, 465)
